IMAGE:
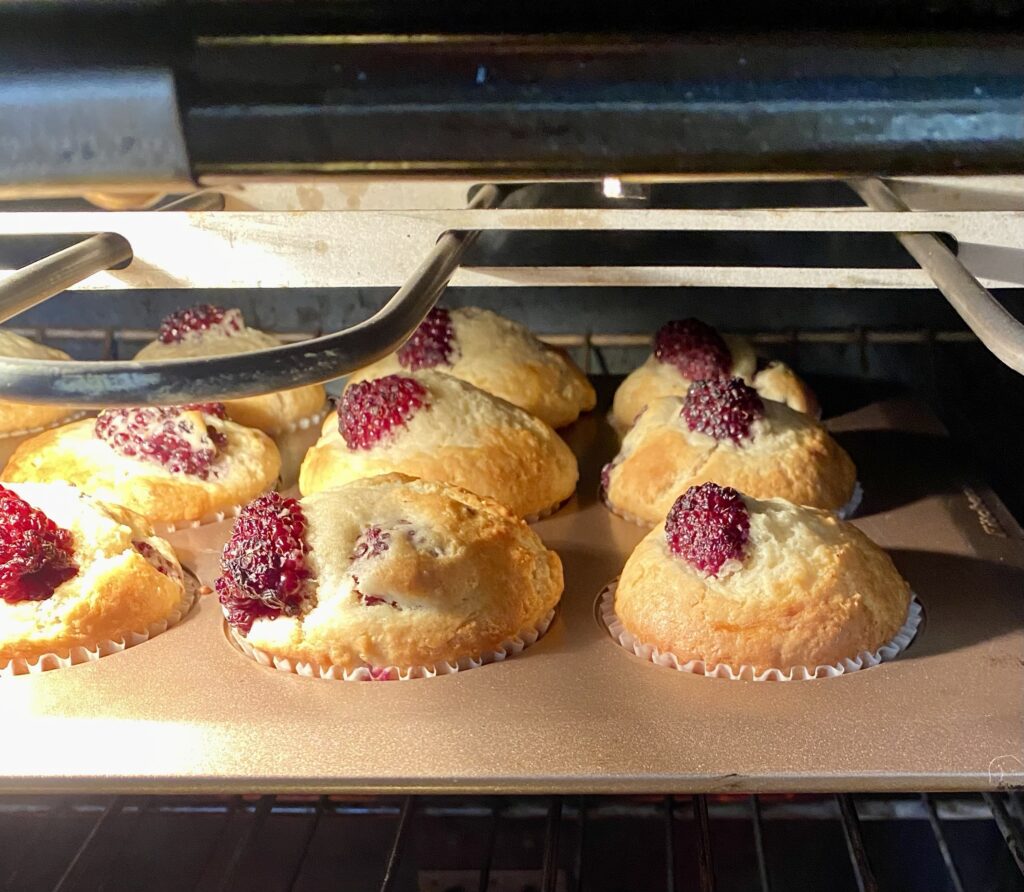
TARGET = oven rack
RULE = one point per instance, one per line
(680, 833)
(219, 249)
(110, 343)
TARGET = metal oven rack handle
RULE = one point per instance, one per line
(126, 383)
(323, 358)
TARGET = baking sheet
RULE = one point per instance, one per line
(187, 713)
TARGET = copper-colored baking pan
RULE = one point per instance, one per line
(186, 712)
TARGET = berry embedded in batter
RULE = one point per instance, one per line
(708, 526)
(175, 437)
(196, 320)
(157, 560)
(372, 410)
(372, 542)
(36, 555)
(694, 348)
(723, 408)
(264, 567)
(431, 345)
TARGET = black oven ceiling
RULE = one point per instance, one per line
(393, 89)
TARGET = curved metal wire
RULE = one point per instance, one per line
(98, 384)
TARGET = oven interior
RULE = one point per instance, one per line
(856, 346)
(296, 119)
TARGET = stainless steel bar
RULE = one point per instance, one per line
(1011, 832)
(394, 856)
(492, 836)
(112, 807)
(318, 812)
(758, 827)
(670, 844)
(259, 818)
(941, 842)
(39, 281)
(99, 384)
(197, 201)
(862, 871)
(549, 880)
(995, 327)
(705, 863)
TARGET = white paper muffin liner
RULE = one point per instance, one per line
(81, 654)
(31, 431)
(745, 672)
(507, 649)
(302, 424)
(164, 528)
(295, 441)
(845, 513)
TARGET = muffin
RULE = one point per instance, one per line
(389, 571)
(205, 330)
(722, 430)
(437, 427)
(496, 355)
(689, 350)
(172, 464)
(734, 580)
(77, 573)
(18, 418)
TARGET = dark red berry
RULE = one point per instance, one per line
(372, 542)
(36, 555)
(371, 410)
(694, 348)
(158, 561)
(723, 408)
(707, 526)
(263, 565)
(217, 410)
(431, 345)
(164, 435)
(197, 319)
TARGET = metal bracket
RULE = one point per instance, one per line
(995, 327)
(99, 384)
(62, 132)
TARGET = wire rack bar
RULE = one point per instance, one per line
(705, 862)
(942, 843)
(551, 835)
(1011, 832)
(307, 840)
(83, 867)
(113, 807)
(390, 877)
(168, 382)
(492, 838)
(757, 826)
(997, 329)
(862, 871)
(245, 842)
